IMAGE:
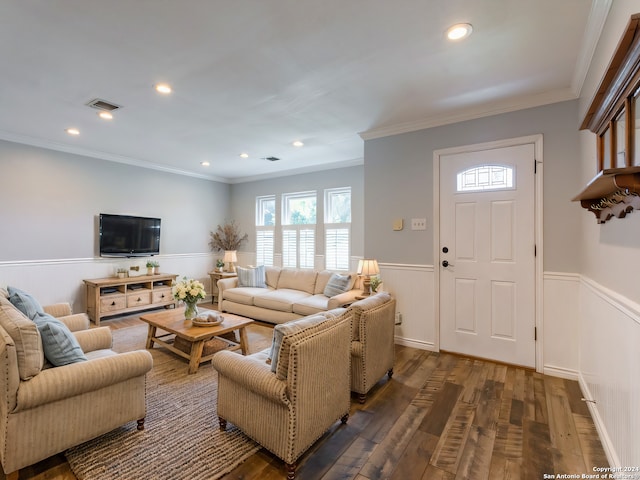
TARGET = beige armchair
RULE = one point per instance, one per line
(286, 411)
(45, 410)
(373, 342)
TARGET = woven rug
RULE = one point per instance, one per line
(181, 439)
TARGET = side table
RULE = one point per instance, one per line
(215, 276)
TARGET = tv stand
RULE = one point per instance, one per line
(116, 296)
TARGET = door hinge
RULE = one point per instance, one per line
(535, 250)
(535, 166)
(535, 334)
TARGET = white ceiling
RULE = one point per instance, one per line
(253, 76)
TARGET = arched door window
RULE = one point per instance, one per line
(485, 177)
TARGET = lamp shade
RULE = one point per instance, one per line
(230, 256)
(368, 267)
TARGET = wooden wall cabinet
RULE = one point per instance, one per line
(115, 296)
(613, 116)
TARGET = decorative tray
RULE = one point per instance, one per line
(204, 323)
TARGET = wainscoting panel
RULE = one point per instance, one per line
(610, 369)
(560, 324)
(53, 281)
(412, 286)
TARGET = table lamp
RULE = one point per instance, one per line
(230, 258)
(366, 268)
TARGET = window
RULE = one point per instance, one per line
(485, 177)
(298, 229)
(265, 229)
(337, 228)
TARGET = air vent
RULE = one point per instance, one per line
(272, 159)
(103, 105)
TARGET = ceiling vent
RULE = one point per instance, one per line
(272, 159)
(103, 105)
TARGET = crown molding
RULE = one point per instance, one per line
(595, 24)
(111, 157)
(486, 110)
(63, 147)
(299, 171)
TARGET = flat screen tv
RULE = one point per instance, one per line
(129, 236)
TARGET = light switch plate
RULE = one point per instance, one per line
(418, 224)
(398, 224)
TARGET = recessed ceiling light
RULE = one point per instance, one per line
(105, 115)
(297, 143)
(459, 31)
(244, 155)
(163, 88)
(205, 164)
(72, 131)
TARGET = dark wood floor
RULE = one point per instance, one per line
(441, 416)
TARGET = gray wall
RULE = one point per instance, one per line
(398, 181)
(243, 201)
(611, 251)
(49, 202)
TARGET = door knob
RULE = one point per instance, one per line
(446, 264)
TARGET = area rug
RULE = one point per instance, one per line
(181, 439)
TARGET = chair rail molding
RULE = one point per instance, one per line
(60, 280)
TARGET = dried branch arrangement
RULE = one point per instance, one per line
(227, 237)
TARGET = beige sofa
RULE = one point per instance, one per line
(44, 410)
(289, 294)
(286, 411)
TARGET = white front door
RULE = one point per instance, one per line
(487, 257)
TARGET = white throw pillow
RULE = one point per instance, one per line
(251, 277)
(337, 284)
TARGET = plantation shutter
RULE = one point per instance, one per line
(307, 248)
(289, 247)
(264, 246)
(337, 247)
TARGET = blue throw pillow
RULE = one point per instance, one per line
(336, 285)
(60, 345)
(251, 277)
(24, 302)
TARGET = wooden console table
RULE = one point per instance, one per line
(115, 296)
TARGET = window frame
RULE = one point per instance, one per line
(304, 257)
(262, 256)
(333, 257)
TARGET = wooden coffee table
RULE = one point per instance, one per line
(173, 322)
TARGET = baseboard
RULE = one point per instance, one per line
(419, 344)
(607, 445)
(561, 372)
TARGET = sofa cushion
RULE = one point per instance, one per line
(321, 281)
(361, 306)
(243, 295)
(281, 331)
(24, 302)
(251, 277)
(272, 275)
(304, 280)
(337, 284)
(26, 338)
(59, 344)
(311, 305)
(281, 300)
